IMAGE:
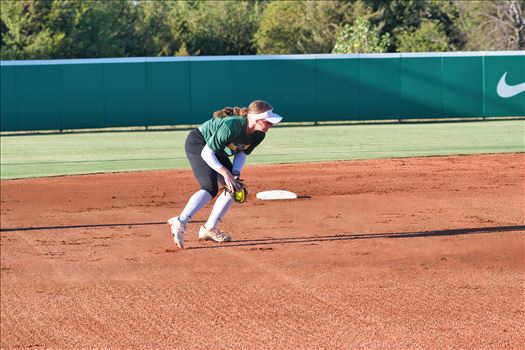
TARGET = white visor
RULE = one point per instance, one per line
(268, 115)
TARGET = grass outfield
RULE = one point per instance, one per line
(60, 154)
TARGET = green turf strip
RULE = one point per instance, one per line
(60, 154)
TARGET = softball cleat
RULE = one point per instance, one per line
(213, 235)
(177, 230)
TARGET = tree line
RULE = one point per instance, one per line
(53, 29)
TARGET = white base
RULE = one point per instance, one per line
(275, 195)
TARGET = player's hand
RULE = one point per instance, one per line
(231, 182)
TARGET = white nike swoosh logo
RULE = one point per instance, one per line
(505, 90)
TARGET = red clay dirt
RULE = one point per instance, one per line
(382, 254)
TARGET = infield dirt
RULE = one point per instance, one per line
(395, 253)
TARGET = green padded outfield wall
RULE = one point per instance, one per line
(96, 93)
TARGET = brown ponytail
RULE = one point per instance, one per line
(227, 111)
(257, 106)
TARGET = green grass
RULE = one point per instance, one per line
(60, 154)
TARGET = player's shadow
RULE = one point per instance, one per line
(349, 237)
(41, 228)
(294, 240)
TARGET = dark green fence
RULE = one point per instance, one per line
(96, 93)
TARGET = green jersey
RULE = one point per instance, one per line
(227, 136)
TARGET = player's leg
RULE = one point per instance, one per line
(207, 179)
(224, 201)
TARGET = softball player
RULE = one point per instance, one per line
(231, 132)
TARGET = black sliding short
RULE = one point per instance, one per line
(206, 177)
